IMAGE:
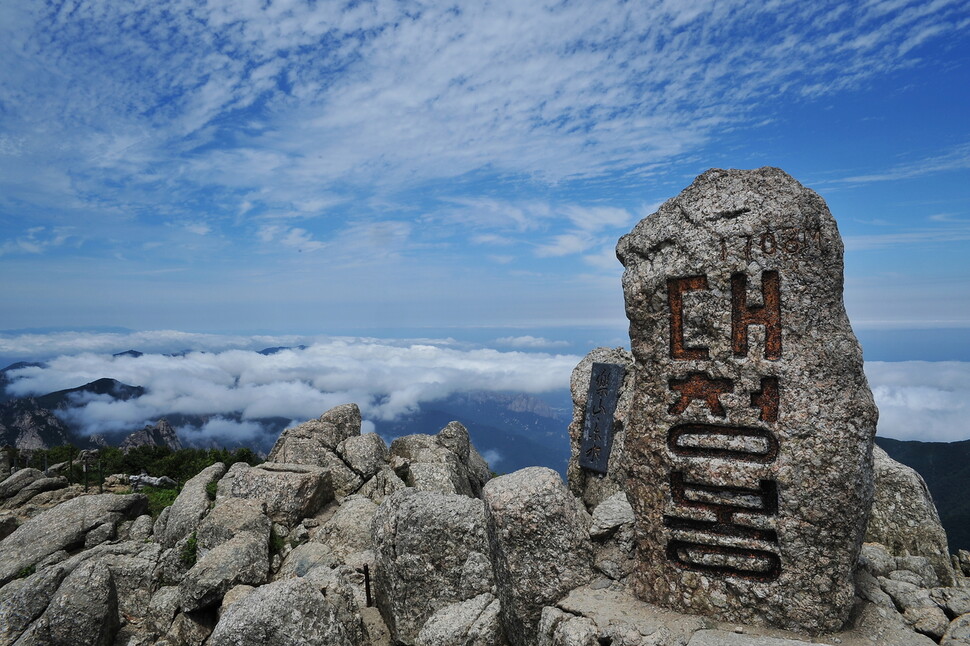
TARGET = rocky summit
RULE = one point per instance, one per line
(723, 490)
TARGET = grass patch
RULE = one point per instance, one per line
(190, 551)
(276, 542)
(159, 498)
(26, 572)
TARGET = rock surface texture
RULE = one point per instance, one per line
(539, 544)
(904, 518)
(749, 444)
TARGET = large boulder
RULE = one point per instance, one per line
(365, 454)
(904, 518)
(424, 540)
(290, 491)
(243, 559)
(24, 600)
(540, 547)
(190, 507)
(83, 612)
(292, 611)
(443, 463)
(64, 527)
(228, 519)
(593, 488)
(38, 486)
(347, 532)
(308, 443)
(468, 623)
(17, 481)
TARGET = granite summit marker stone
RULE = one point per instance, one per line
(749, 443)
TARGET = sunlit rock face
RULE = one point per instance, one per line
(749, 441)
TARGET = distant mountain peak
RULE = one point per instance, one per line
(161, 434)
(128, 353)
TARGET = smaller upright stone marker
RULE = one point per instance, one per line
(597, 440)
(749, 443)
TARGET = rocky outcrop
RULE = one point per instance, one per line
(539, 544)
(425, 544)
(83, 612)
(290, 491)
(66, 527)
(190, 507)
(904, 518)
(445, 463)
(285, 612)
(159, 434)
(278, 557)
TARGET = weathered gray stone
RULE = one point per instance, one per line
(621, 619)
(906, 595)
(230, 517)
(958, 632)
(190, 507)
(429, 465)
(18, 480)
(242, 559)
(304, 558)
(922, 567)
(474, 622)
(558, 628)
(40, 485)
(290, 491)
(189, 629)
(285, 612)
(454, 437)
(365, 454)
(382, 485)
(748, 376)
(593, 488)
(876, 559)
(162, 608)
(24, 600)
(348, 530)
(8, 523)
(928, 620)
(236, 593)
(610, 514)
(423, 540)
(141, 528)
(307, 442)
(904, 518)
(956, 601)
(83, 611)
(64, 527)
(540, 548)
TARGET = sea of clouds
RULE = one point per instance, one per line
(225, 378)
(387, 379)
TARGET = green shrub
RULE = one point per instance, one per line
(211, 489)
(159, 498)
(190, 551)
(26, 572)
(276, 542)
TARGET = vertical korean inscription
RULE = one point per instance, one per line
(712, 527)
(597, 439)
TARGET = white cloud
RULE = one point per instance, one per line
(293, 103)
(922, 400)
(385, 379)
(530, 342)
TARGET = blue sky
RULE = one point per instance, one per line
(319, 167)
(427, 169)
